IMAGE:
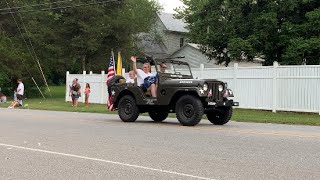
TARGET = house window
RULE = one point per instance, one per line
(181, 42)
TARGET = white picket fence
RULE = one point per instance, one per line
(276, 88)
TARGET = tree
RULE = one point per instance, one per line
(73, 39)
(229, 30)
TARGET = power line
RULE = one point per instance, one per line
(23, 64)
(60, 8)
(19, 29)
(34, 53)
(34, 5)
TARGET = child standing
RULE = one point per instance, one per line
(86, 94)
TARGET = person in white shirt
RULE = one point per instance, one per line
(20, 91)
(19, 95)
(131, 77)
(142, 74)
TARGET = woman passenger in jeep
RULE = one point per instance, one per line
(143, 75)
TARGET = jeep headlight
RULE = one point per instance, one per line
(205, 87)
(220, 88)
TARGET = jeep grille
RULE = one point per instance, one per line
(216, 95)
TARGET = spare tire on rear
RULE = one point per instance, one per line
(115, 79)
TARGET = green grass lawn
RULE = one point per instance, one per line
(57, 103)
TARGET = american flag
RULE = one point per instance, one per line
(110, 74)
(110, 69)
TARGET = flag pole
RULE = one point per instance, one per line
(119, 64)
(114, 62)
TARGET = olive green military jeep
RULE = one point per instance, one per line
(177, 92)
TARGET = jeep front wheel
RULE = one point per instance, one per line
(158, 116)
(220, 116)
(127, 109)
(189, 110)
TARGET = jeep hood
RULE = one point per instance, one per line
(187, 82)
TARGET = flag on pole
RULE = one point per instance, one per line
(119, 64)
(110, 74)
(111, 69)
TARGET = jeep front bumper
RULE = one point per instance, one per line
(227, 103)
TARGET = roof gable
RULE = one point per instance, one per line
(173, 24)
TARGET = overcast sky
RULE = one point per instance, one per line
(169, 5)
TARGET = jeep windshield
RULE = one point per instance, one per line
(174, 69)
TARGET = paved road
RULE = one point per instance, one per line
(64, 145)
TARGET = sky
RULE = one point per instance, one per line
(169, 5)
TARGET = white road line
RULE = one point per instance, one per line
(105, 161)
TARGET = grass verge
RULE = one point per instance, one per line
(57, 103)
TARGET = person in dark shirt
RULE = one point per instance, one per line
(75, 92)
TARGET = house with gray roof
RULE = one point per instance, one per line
(172, 41)
(168, 36)
(195, 57)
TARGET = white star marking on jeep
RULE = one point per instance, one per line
(113, 93)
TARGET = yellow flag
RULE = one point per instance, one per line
(119, 65)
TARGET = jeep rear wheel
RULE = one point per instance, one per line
(127, 109)
(220, 116)
(189, 110)
(158, 116)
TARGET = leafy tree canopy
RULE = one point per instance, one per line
(70, 36)
(276, 30)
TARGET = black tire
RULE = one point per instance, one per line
(189, 110)
(127, 109)
(115, 79)
(158, 116)
(220, 116)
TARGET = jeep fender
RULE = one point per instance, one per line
(180, 93)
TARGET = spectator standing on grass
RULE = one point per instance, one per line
(75, 92)
(20, 92)
(19, 95)
(87, 92)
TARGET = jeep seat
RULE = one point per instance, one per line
(135, 82)
(147, 93)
